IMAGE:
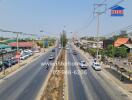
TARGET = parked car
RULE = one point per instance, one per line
(96, 66)
(83, 65)
(7, 64)
(51, 57)
(14, 60)
(23, 57)
(1, 67)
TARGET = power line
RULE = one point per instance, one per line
(92, 17)
(118, 31)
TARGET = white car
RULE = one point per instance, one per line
(59, 47)
(96, 66)
(83, 65)
(51, 57)
(23, 57)
(67, 48)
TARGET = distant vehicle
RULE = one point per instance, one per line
(67, 48)
(14, 60)
(53, 50)
(51, 57)
(74, 52)
(23, 57)
(35, 50)
(59, 47)
(7, 64)
(83, 65)
(96, 66)
(28, 52)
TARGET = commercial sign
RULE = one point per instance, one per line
(117, 10)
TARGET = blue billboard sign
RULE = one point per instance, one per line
(117, 10)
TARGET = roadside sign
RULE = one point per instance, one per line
(117, 10)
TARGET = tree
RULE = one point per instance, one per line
(63, 38)
(121, 52)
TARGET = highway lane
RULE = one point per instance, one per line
(94, 86)
(25, 84)
(75, 89)
(103, 88)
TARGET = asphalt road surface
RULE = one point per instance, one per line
(89, 84)
(25, 84)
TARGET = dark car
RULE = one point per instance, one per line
(53, 50)
(1, 67)
(7, 64)
(14, 61)
(74, 52)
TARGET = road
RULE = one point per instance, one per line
(89, 84)
(25, 84)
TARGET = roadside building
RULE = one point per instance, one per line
(21, 45)
(107, 42)
(92, 44)
(125, 42)
(120, 41)
(129, 47)
(4, 47)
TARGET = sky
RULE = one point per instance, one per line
(53, 16)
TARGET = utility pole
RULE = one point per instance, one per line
(98, 13)
(17, 43)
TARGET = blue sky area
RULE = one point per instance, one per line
(31, 16)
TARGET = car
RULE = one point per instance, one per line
(51, 57)
(7, 64)
(1, 67)
(83, 65)
(28, 52)
(96, 66)
(67, 48)
(53, 50)
(74, 52)
(59, 47)
(23, 57)
(14, 60)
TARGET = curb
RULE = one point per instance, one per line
(66, 79)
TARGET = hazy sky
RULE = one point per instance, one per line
(31, 16)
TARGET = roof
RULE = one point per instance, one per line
(10, 40)
(128, 45)
(21, 44)
(116, 7)
(120, 41)
(4, 46)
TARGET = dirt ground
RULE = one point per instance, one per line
(55, 86)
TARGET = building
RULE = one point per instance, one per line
(121, 41)
(4, 47)
(107, 42)
(92, 44)
(21, 45)
(129, 47)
